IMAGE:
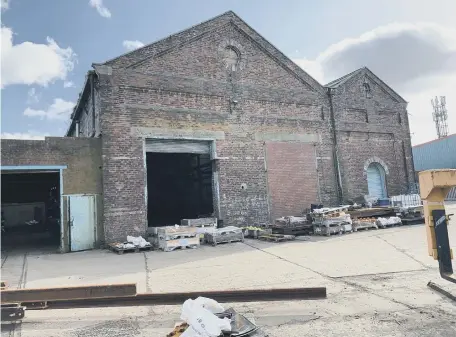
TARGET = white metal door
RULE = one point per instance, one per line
(375, 181)
(81, 209)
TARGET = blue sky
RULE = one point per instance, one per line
(49, 45)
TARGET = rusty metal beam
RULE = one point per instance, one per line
(67, 293)
(442, 291)
(256, 295)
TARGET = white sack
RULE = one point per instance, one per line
(210, 304)
(201, 321)
(138, 241)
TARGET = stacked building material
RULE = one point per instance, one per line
(364, 223)
(372, 212)
(293, 225)
(170, 238)
(387, 222)
(409, 208)
(224, 235)
(202, 225)
(327, 221)
(276, 237)
(255, 232)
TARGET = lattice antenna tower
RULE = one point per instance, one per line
(440, 116)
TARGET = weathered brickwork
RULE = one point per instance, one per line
(292, 177)
(271, 124)
(385, 135)
(82, 156)
(189, 87)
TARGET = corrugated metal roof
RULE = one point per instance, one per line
(437, 154)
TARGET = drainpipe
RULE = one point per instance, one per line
(340, 195)
(92, 93)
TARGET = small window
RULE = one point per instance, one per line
(231, 58)
(367, 90)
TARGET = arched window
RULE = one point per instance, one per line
(376, 180)
(231, 58)
(367, 90)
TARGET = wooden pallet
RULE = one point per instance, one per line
(130, 250)
(276, 237)
(226, 241)
(296, 231)
(367, 226)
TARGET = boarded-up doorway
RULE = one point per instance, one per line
(292, 177)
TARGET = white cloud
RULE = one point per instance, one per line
(32, 96)
(68, 84)
(101, 9)
(132, 45)
(312, 67)
(30, 135)
(58, 110)
(417, 60)
(33, 63)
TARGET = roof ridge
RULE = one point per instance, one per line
(385, 87)
(435, 140)
(344, 78)
(227, 13)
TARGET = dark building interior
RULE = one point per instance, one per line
(30, 210)
(179, 186)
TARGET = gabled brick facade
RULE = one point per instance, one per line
(271, 123)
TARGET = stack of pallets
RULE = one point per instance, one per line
(224, 235)
(364, 223)
(328, 221)
(276, 237)
(202, 225)
(177, 237)
(292, 225)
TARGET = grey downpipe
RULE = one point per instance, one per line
(340, 195)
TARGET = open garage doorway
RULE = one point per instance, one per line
(30, 210)
(179, 184)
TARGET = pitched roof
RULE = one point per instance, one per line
(341, 80)
(365, 71)
(152, 50)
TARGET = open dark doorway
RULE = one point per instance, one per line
(179, 186)
(30, 210)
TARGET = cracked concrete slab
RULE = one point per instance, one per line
(376, 283)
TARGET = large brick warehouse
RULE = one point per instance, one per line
(215, 119)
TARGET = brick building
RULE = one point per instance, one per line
(215, 119)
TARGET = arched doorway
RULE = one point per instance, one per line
(376, 181)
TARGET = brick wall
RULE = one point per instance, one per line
(384, 134)
(292, 177)
(181, 87)
(187, 89)
(81, 155)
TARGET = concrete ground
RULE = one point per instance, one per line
(376, 282)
